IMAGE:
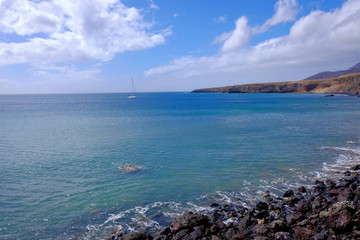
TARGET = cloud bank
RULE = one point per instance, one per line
(317, 37)
(63, 31)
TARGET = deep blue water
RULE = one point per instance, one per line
(60, 155)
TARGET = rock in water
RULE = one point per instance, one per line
(129, 168)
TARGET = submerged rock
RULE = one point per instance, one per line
(130, 168)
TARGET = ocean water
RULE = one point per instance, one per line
(60, 156)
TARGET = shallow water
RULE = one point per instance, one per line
(60, 155)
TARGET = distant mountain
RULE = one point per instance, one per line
(328, 74)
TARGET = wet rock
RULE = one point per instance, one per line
(302, 189)
(216, 216)
(167, 230)
(292, 200)
(288, 193)
(357, 167)
(265, 195)
(261, 214)
(214, 205)
(190, 221)
(319, 186)
(262, 206)
(137, 236)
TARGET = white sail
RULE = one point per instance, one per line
(132, 95)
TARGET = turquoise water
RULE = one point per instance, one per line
(60, 156)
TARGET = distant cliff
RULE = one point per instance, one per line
(345, 84)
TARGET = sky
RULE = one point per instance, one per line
(91, 46)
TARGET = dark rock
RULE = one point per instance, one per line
(231, 232)
(190, 221)
(282, 236)
(357, 167)
(303, 233)
(196, 234)
(330, 183)
(319, 186)
(339, 222)
(292, 200)
(288, 193)
(302, 207)
(262, 206)
(214, 205)
(334, 192)
(261, 214)
(319, 236)
(166, 231)
(246, 222)
(261, 238)
(180, 235)
(216, 216)
(277, 226)
(346, 195)
(137, 236)
(260, 229)
(302, 189)
(220, 224)
(200, 229)
(214, 229)
(239, 236)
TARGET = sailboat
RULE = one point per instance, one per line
(132, 95)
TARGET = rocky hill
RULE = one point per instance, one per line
(328, 74)
(345, 84)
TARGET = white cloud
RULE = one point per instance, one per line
(62, 30)
(285, 10)
(237, 38)
(318, 37)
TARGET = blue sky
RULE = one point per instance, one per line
(63, 46)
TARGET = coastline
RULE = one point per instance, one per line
(327, 210)
(344, 84)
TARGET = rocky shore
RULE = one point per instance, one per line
(329, 210)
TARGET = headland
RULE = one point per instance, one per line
(345, 84)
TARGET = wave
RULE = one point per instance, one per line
(155, 216)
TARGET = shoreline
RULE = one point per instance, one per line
(327, 210)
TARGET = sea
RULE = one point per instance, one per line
(61, 156)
